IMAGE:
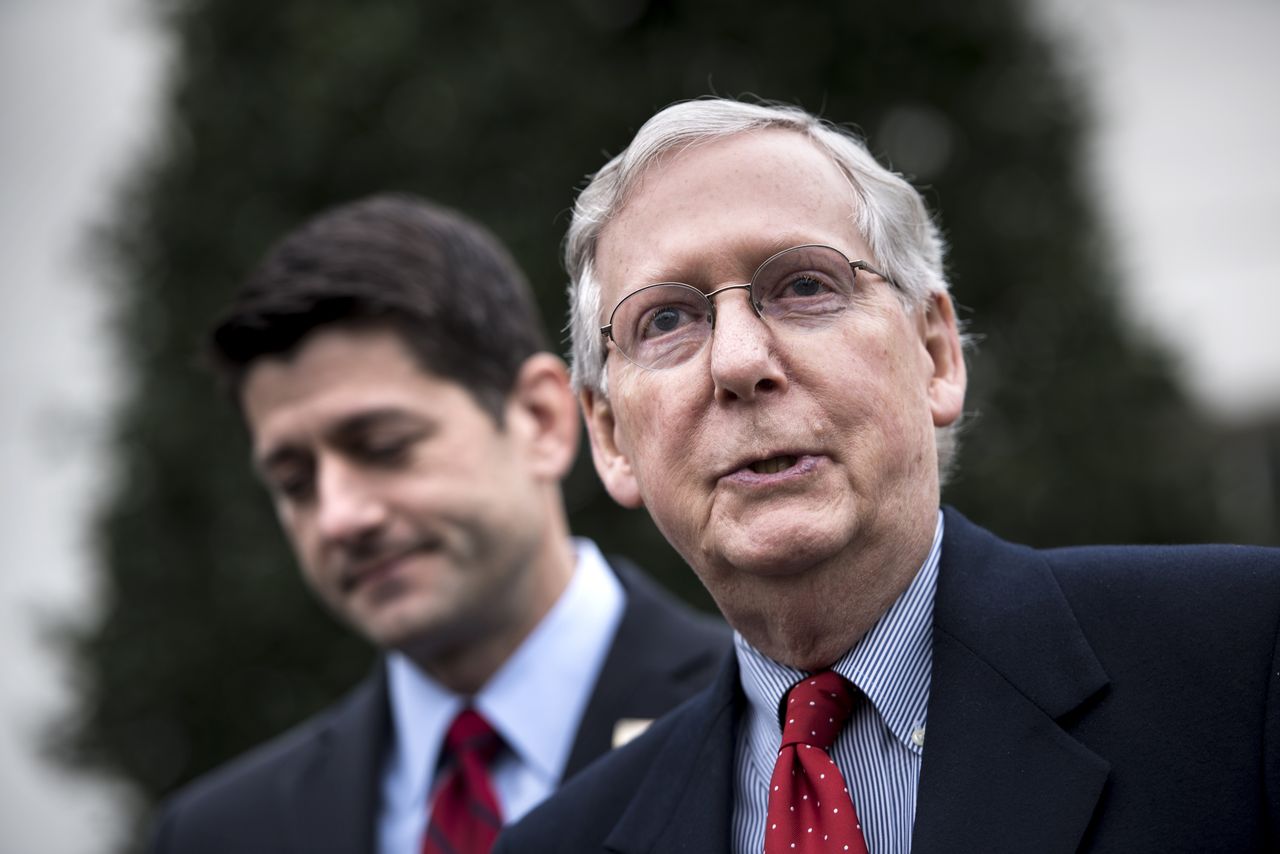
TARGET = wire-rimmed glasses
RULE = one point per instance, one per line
(666, 324)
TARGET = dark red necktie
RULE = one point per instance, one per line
(465, 818)
(810, 810)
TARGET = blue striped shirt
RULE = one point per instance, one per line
(880, 750)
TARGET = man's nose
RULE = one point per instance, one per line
(744, 362)
(349, 505)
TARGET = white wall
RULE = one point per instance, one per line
(78, 79)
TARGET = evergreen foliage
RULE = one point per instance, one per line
(209, 642)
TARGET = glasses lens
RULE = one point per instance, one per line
(804, 285)
(661, 325)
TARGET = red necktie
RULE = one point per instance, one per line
(465, 818)
(810, 810)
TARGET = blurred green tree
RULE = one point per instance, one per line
(208, 642)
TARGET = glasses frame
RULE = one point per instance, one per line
(709, 296)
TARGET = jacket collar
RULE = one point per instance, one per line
(331, 799)
(649, 668)
(685, 803)
(1000, 772)
(1010, 662)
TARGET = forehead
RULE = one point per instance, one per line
(336, 374)
(718, 208)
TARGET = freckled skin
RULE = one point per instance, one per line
(802, 567)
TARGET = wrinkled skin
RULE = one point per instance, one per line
(803, 560)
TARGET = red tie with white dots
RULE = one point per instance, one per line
(810, 809)
(465, 818)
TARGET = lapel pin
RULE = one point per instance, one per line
(628, 728)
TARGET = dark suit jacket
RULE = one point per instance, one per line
(1120, 699)
(315, 789)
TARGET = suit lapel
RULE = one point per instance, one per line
(685, 803)
(330, 801)
(1009, 662)
(650, 668)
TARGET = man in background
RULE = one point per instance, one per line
(769, 362)
(413, 430)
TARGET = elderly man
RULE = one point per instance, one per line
(769, 362)
(412, 431)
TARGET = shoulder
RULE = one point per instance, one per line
(1195, 614)
(1211, 580)
(240, 801)
(661, 653)
(664, 650)
(235, 797)
(580, 816)
(1207, 582)
(1230, 564)
(1217, 600)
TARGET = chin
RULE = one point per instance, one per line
(781, 559)
(396, 625)
(790, 545)
(384, 635)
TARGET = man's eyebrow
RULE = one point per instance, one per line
(693, 274)
(388, 416)
(346, 430)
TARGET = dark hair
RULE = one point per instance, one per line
(440, 280)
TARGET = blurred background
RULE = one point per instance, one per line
(1105, 171)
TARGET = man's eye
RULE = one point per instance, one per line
(294, 487)
(805, 286)
(664, 320)
(388, 451)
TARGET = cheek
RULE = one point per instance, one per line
(306, 546)
(291, 523)
(670, 489)
(314, 577)
(662, 440)
(877, 404)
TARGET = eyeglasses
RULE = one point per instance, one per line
(667, 324)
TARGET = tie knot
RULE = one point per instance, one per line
(816, 709)
(470, 733)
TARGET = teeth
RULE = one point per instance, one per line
(774, 465)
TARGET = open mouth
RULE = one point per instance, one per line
(773, 465)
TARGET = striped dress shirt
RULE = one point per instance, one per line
(880, 750)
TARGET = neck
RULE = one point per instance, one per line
(464, 664)
(809, 622)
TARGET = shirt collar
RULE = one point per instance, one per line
(891, 665)
(557, 663)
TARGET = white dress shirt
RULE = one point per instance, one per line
(535, 701)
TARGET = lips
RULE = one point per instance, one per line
(772, 468)
(369, 569)
(367, 572)
(773, 465)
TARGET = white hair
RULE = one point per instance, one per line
(888, 212)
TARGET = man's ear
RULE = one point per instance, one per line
(948, 379)
(541, 407)
(612, 463)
